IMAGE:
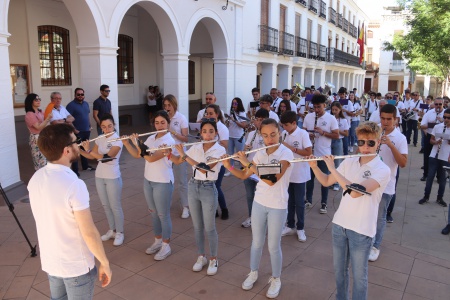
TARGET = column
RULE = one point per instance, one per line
(297, 76)
(405, 83)
(284, 76)
(98, 65)
(176, 80)
(223, 82)
(269, 77)
(9, 162)
(383, 83)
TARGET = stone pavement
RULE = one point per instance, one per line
(414, 262)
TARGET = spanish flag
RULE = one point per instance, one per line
(360, 42)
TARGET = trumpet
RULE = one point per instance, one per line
(210, 162)
(142, 134)
(298, 88)
(184, 145)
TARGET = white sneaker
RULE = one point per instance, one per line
(227, 173)
(374, 253)
(247, 223)
(185, 213)
(109, 235)
(287, 231)
(154, 247)
(212, 268)
(118, 240)
(308, 204)
(323, 209)
(301, 235)
(163, 252)
(274, 288)
(335, 188)
(251, 279)
(201, 262)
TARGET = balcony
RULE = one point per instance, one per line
(341, 57)
(345, 25)
(302, 2)
(332, 16)
(301, 47)
(286, 43)
(340, 18)
(313, 5)
(323, 10)
(397, 66)
(313, 51)
(352, 30)
(322, 52)
(268, 39)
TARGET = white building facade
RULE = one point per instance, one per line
(185, 47)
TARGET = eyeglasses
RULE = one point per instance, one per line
(389, 98)
(370, 143)
(446, 118)
(77, 141)
(208, 120)
(107, 91)
(80, 95)
(37, 99)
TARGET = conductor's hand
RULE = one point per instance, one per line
(104, 275)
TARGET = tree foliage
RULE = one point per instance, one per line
(426, 45)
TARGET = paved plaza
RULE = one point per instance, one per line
(414, 262)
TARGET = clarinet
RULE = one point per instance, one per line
(439, 145)
(379, 145)
(315, 125)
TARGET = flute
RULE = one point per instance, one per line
(99, 137)
(295, 160)
(184, 145)
(142, 134)
(234, 155)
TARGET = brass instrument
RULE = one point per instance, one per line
(298, 88)
(327, 88)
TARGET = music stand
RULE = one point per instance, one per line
(11, 209)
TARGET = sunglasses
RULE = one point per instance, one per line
(37, 99)
(107, 91)
(446, 118)
(234, 104)
(370, 143)
(80, 95)
(208, 120)
(77, 141)
(438, 104)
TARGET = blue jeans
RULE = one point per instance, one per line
(221, 196)
(83, 135)
(159, 198)
(73, 288)
(270, 220)
(296, 205)
(110, 192)
(337, 149)
(202, 196)
(349, 246)
(412, 126)
(345, 145)
(381, 221)
(181, 183)
(435, 167)
(234, 146)
(310, 184)
(300, 124)
(250, 188)
(352, 133)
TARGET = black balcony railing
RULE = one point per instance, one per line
(323, 10)
(268, 39)
(339, 24)
(322, 52)
(313, 51)
(302, 2)
(301, 47)
(332, 15)
(286, 43)
(313, 5)
(353, 31)
(345, 25)
(338, 56)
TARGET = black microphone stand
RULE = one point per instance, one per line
(11, 209)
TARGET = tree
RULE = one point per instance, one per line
(426, 45)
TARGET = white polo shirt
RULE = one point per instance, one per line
(328, 123)
(177, 123)
(55, 193)
(399, 141)
(371, 106)
(360, 214)
(299, 139)
(276, 103)
(197, 153)
(301, 106)
(201, 114)
(234, 130)
(59, 114)
(275, 196)
(111, 169)
(256, 141)
(356, 107)
(414, 105)
(445, 147)
(274, 116)
(350, 108)
(160, 170)
(343, 125)
(222, 130)
(431, 117)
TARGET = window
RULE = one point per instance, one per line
(191, 72)
(125, 69)
(298, 20)
(369, 55)
(369, 34)
(264, 12)
(392, 85)
(54, 55)
(396, 56)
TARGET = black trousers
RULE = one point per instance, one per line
(427, 147)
